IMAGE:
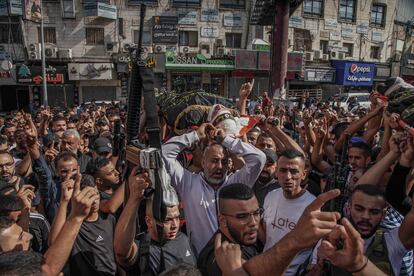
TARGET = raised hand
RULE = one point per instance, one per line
(227, 255)
(315, 224)
(137, 184)
(351, 256)
(26, 195)
(68, 186)
(246, 89)
(205, 131)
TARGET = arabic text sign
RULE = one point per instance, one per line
(232, 19)
(165, 29)
(209, 32)
(209, 15)
(362, 28)
(33, 74)
(187, 18)
(296, 22)
(330, 24)
(90, 71)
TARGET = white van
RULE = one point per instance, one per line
(362, 99)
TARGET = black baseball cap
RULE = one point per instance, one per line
(9, 203)
(102, 144)
(270, 155)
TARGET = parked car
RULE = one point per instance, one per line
(362, 99)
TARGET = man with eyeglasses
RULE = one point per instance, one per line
(284, 206)
(148, 255)
(239, 219)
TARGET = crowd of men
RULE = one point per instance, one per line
(252, 203)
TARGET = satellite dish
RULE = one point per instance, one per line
(6, 65)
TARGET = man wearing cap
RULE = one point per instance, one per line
(102, 147)
(267, 178)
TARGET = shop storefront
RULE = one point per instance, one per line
(186, 73)
(382, 72)
(60, 91)
(95, 81)
(250, 65)
(354, 75)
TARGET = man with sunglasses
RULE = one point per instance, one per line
(284, 206)
(239, 219)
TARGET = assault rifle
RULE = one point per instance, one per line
(119, 149)
(338, 178)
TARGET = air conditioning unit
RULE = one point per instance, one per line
(230, 52)
(147, 50)
(333, 54)
(205, 53)
(51, 52)
(221, 51)
(65, 53)
(325, 57)
(111, 47)
(184, 49)
(317, 54)
(160, 49)
(34, 51)
(309, 56)
(341, 55)
(127, 46)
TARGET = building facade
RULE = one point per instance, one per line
(195, 44)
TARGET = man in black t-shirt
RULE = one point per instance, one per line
(149, 255)
(92, 252)
(267, 178)
(239, 218)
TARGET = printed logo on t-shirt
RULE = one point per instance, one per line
(283, 223)
(187, 254)
(99, 238)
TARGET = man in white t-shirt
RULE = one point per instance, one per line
(284, 206)
(367, 209)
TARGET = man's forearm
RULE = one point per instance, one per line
(376, 172)
(111, 205)
(274, 261)
(58, 222)
(125, 231)
(286, 140)
(24, 165)
(58, 253)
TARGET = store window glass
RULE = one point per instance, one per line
(185, 82)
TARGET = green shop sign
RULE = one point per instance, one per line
(198, 62)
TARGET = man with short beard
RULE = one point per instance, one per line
(70, 142)
(198, 191)
(267, 178)
(367, 210)
(239, 218)
(59, 125)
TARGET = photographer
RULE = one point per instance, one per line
(199, 191)
(149, 255)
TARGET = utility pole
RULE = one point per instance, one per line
(45, 101)
(280, 40)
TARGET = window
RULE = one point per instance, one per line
(188, 38)
(186, 2)
(68, 9)
(349, 47)
(240, 4)
(95, 36)
(146, 37)
(233, 40)
(313, 8)
(324, 44)
(302, 40)
(347, 10)
(50, 34)
(10, 33)
(375, 52)
(378, 15)
(258, 33)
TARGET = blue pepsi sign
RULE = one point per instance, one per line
(354, 73)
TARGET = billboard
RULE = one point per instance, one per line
(32, 10)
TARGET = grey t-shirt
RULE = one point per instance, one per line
(93, 252)
(168, 255)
